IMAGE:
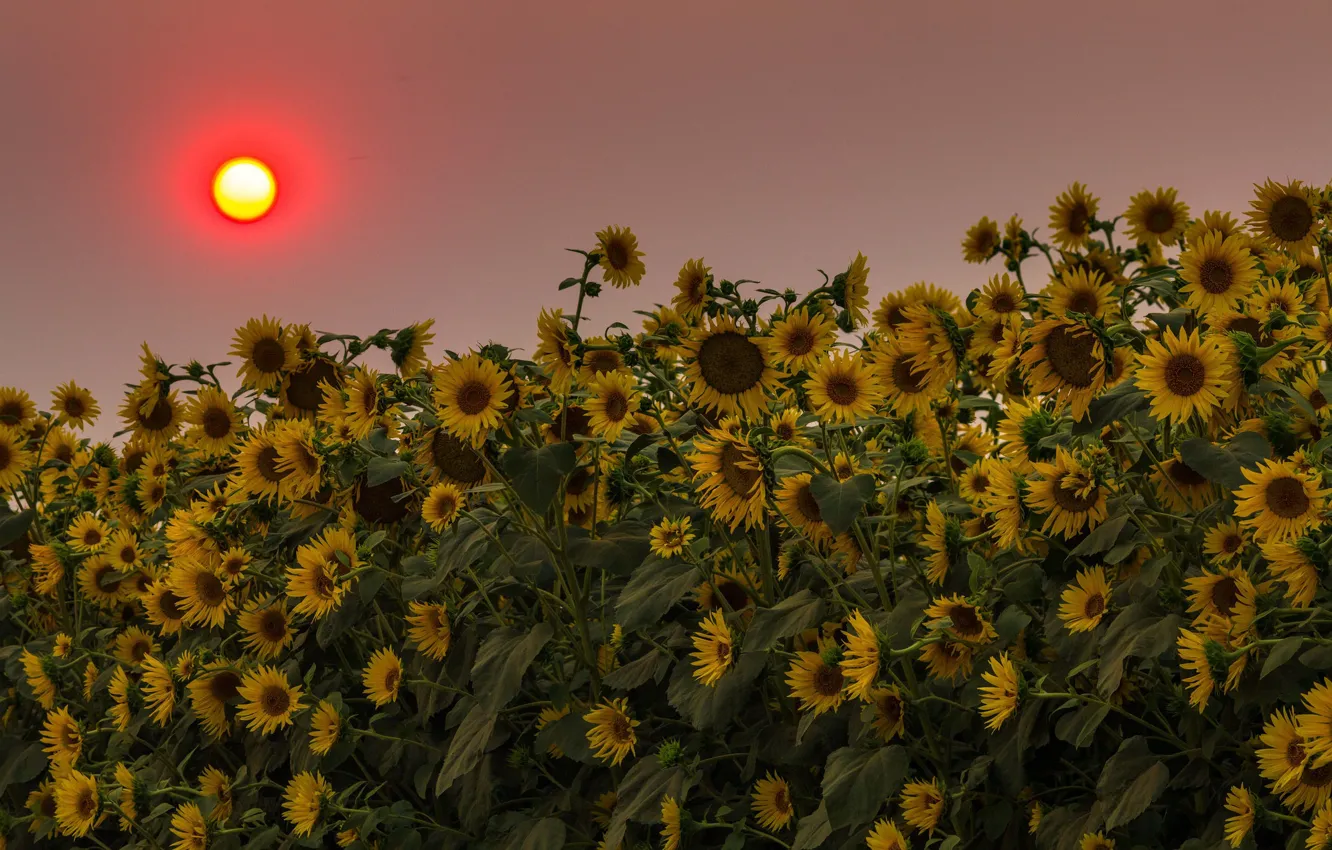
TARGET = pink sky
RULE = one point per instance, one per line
(436, 158)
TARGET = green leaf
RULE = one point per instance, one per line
(13, 526)
(1225, 466)
(536, 473)
(857, 782)
(653, 589)
(1079, 727)
(1280, 654)
(639, 796)
(1011, 622)
(619, 551)
(1130, 781)
(382, 469)
(467, 746)
(1112, 406)
(840, 502)
(263, 840)
(1140, 794)
(812, 830)
(1133, 633)
(1265, 387)
(336, 624)
(1318, 658)
(791, 616)
(636, 673)
(1103, 536)
(502, 662)
(713, 707)
(569, 734)
(22, 764)
(544, 834)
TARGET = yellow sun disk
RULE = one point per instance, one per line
(244, 189)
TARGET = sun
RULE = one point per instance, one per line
(244, 189)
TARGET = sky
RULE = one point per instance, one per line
(434, 158)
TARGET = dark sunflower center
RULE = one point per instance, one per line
(985, 241)
(1084, 301)
(1071, 501)
(1317, 400)
(617, 406)
(1215, 275)
(432, 619)
(303, 386)
(159, 419)
(48, 805)
(273, 626)
(391, 678)
(216, 423)
(1185, 374)
(455, 459)
(980, 483)
(139, 650)
(1094, 607)
(740, 480)
(323, 584)
(87, 803)
(1291, 218)
(209, 589)
(104, 578)
(70, 738)
(473, 398)
(843, 391)
(170, 605)
(1159, 219)
(1003, 303)
(781, 801)
(224, 686)
(809, 507)
(730, 363)
(1286, 498)
(274, 700)
(1184, 475)
(268, 355)
(785, 431)
(1078, 219)
(619, 729)
(601, 362)
(828, 681)
(128, 554)
(573, 421)
(890, 708)
(92, 537)
(1317, 777)
(965, 622)
(1071, 355)
(444, 506)
(266, 461)
(799, 342)
(905, 378)
(734, 593)
(1224, 594)
(74, 407)
(10, 412)
(722, 650)
(1232, 543)
(1250, 326)
(617, 254)
(6, 457)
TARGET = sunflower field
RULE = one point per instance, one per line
(1045, 566)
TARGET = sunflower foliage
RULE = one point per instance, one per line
(1044, 567)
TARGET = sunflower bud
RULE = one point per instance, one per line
(669, 753)
(914, 451)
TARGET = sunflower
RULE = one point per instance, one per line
(999, 697)
(941, 541)
(87, 533)
(202, 591)
(210, 694)
(771, 802)
(932, 337)
(446, 458)
(671, 537)
(889, 712)
(72, 403)
(1284, 761)
(798, 339)
(1280, 501)
(1000, 298)
(922, 805)
(612, 735)
(99, 582)
(314, 579)
(133, 645)
(1218, 272)
(1085, 601)
(16, 408)
(797, 504)
(1078, 290)
(860, 658)
(906, 390)
(1183, 375)
(303, 394)
(733, 485)
(267, 628)
(981, 241)
(1180, 488)
(714, 649)
(121, 689)
(163, 607)
(159, 691)
(600, 358)
(365, 402)
(614, 399)
(408, 349)
(553, 352)
(1071, 217)
(62, 737)
(268, 701)
(1320, 831)
(77, 803)
(216, 421)
(1290, 563)
(817, 681)
(382, 677)
(442, 505)
(966, 622)
(1285, 216)
(266, 348)
(692, 289)
(470, 396)
(671, 828)
(1156, 218)
(620, 259)
(303, 801)
(256, 472)
(885, 836)
(1202, 678)
(298, 460)
(1067, 362)
(729, 371)
(325, 728)
(1069, 494)
(189, 827)
(15, 459)
(842, 388)
(1096, 841)
(1224, 542)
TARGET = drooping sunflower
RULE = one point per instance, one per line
(1156, 218)
(933, 338)
(470, 396)
(1068, 493)
(1071, 217)
(266, 348)
(885, 836)
(202, 591)
(797, 504)
(817, 681)
(941, 541)
(729, 371)
(610, 407)
(1218, 272)
(15, 459)
(62, 737)
(216, 421)
(446, 458)
(771, 802)
(267, 628)
(1067, 362)
(732, 487)
(73, 403)
(408, 349)
(621, 261)
(1183, 374)
(860, 657)
(1000, 694)
(298, 459)
(671, 827)
(428, 628)
(442, 505)
(692, 297)
(714, 649)
(257, 473)
(966, 622)
(981, 241)
(842, 388)
(120, 688)
(1201, 680)
(268, 701)
(1280, 501)
(922, 805)
(851, 291)
(671, 537)
(189, 827)
(1085, 601)
(303, 801)
(100, 582)
(210, 693)
(1290, 562)
(303, 392)
(77, 803)
(889, 712)
(159, 691)
(553, 352)
(1285, 215)
(325, 728)
(382, 677)
(1180, 487)
(612, 735)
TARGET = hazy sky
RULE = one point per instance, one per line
(435, 158)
